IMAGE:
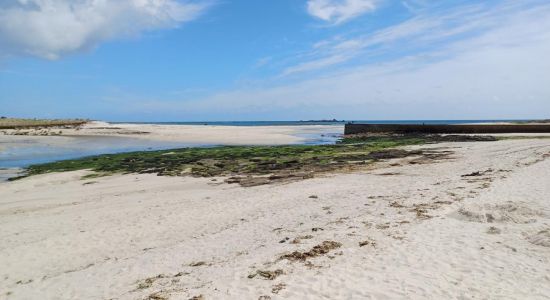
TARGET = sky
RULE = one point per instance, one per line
(219, 60)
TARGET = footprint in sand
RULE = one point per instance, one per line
(509, 212)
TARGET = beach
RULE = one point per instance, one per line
(189, 134)
(191, 150)
(473, 222)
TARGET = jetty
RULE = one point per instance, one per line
(352, 128)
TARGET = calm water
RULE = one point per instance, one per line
(21, 151)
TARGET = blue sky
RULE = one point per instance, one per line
(169, 60)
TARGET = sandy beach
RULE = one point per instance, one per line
(474, 224)
(191, 150)
(191, 134)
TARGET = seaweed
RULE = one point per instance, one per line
(245, 165)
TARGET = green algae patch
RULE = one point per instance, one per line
(246, 165)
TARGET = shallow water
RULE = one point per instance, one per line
(18, 152)
(22, 151)
(8, 173)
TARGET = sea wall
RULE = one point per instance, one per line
(445, 129)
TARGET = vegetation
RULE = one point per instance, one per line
(14, 123)
(234, 160)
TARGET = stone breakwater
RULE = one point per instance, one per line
(446, 129)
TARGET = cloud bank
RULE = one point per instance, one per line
(53, 28)
(339, 11)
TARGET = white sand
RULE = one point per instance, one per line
(192, 134)
(488, 236)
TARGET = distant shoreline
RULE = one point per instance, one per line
(16, 123)
(323, 122)
(22, 123)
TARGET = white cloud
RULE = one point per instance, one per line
(428, 29)
(499, 72)
(53, 28)
(316, 64)
(339, 11)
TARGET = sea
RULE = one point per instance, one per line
(320, 122)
